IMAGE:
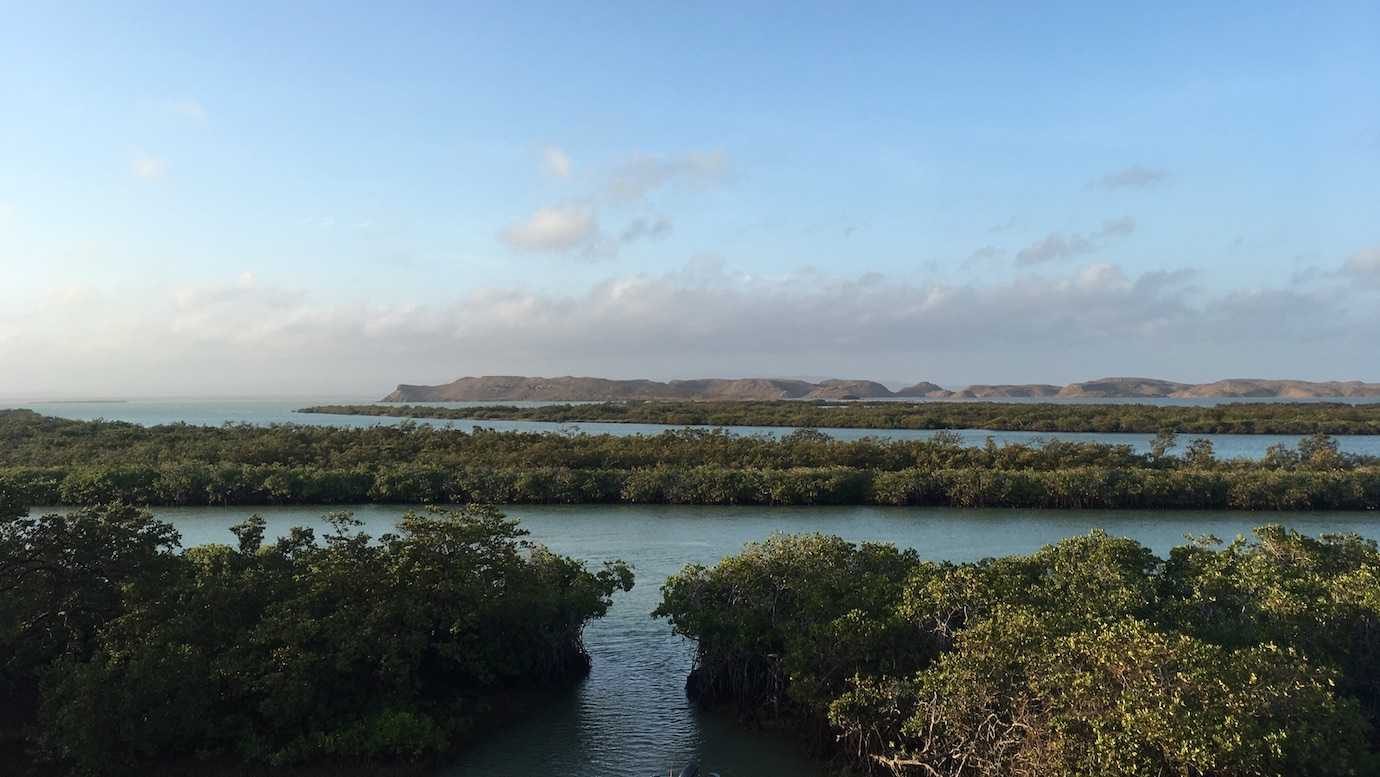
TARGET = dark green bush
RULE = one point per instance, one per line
(1089, 657)
(118, 653)
(51, 461)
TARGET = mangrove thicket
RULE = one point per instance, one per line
(46, 460)
(121, 653)
(1092, 656)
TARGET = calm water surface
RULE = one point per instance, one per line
(630, 718)
(215, 412)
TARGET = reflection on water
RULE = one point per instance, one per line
(630, 717)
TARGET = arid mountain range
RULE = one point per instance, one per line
(517, 388)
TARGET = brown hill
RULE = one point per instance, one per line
(505, 388)
(740, 388)
(849, 389)
(1122, 387)
(511, 388)
(518, 388)
(1285, 389)
(922, 389)
(979, 391)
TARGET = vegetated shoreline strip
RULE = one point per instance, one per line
(1092, 656)
(45, 460)
(1233, 418)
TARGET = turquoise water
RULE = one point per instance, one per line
(215, 412)
(630, 717)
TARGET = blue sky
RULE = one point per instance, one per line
(332, 197)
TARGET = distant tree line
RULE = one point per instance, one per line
(1089, 657)
(122, 654)
(54, 461)
(1230, 418)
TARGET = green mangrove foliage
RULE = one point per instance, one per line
(119, 653)
(54, 461)
(1229, 418)
(1089, 657)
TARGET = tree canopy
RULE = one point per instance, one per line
(53, 461)
(1090, 656)
(120, 653)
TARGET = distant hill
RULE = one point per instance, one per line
(1123, 387)
(922, 389)
(514, 388)
(1285, 389)
(1022, 390)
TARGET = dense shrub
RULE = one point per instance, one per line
(51, 461)
(1091, 656)
(118, 653)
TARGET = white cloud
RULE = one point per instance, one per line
(1364, 261)
(1005, 226)
(1133, 177)
(575, 227)
(554, 229)
(642, 175)
(1054, 246)
(646, 229)
(207, 295)
(1102, 277)
(188, 109)
(556, 162)
(1121, 227)
(984, 255)
(1364, 265)
(149, 167)
(1058, 245)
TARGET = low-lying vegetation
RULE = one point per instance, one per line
(1089, 657)
(54, 461)
(121, 654)
(1227, 418)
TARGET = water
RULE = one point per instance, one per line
(630, 717)
(214, 412)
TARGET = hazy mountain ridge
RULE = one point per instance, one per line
(983, 391)
(519, 388)
(1124, 387)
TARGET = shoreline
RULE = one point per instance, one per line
(1254, 418)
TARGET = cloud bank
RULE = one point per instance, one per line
(242, 337)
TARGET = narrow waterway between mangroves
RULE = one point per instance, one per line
(630, 718)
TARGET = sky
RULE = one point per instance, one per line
(227, 199)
